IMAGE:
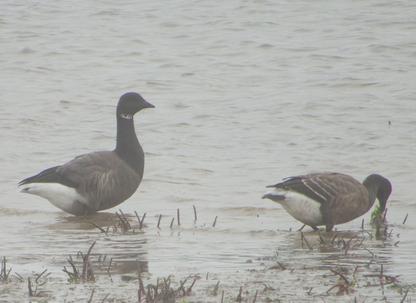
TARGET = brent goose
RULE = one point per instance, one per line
(329, 198)
(98, 180)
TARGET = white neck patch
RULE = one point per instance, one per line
(126, 116)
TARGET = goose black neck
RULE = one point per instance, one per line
(128, 147)
(372, 194)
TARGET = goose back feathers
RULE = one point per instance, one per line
(98, 180)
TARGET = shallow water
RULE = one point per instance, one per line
(246, 93)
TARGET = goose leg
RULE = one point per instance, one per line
(329, 227)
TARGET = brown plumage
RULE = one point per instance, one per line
(329, 198)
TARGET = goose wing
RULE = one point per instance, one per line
(319, 187)
(104, 179)
(343, 198)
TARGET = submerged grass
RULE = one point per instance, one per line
(87, 273)
(4, 273)
(326, 267)
(35, 292)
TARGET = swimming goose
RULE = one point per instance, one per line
(98, 180)
(329, 198)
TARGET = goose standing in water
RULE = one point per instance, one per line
(329, 198)
(98, 180)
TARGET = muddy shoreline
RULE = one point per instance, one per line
(341, 266)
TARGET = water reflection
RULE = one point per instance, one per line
(117, 250)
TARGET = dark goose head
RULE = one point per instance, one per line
(378, 187)
(131, 103)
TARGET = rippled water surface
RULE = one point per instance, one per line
(246, 93)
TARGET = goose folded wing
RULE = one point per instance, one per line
(308, 186)
(325, 186)
(321, 187)
(92, 172)
(104, 179)
(85, 166)
(50, 175)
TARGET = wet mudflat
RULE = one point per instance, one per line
(110, 259)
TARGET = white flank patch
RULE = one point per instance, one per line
(300, 207)
(59, 195)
